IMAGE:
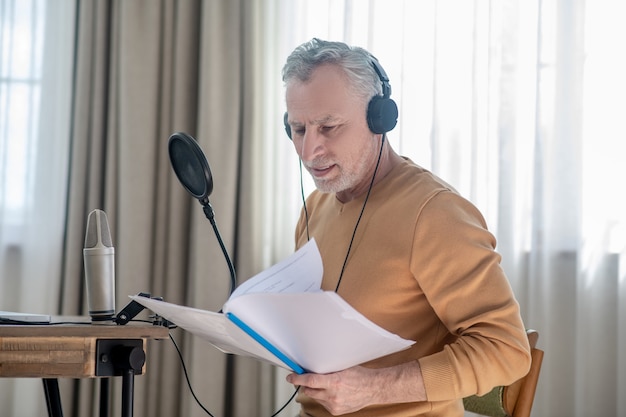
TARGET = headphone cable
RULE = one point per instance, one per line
(356, 226)
(306, 213)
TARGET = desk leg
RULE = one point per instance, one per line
(104, 397)
(128, 387)
(53, 397)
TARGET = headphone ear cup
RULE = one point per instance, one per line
(382, 114)
(287, 127)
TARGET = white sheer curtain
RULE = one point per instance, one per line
(36, 58)
(519, 104)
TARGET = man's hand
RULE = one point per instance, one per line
(355, 388)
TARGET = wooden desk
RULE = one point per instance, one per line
(76, 350)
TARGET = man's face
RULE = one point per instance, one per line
(330, 133)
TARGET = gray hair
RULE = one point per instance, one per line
(356, 63)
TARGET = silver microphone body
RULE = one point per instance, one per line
(99, 260)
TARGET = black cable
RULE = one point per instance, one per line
(287, 403)
(345, 261)
(182, 361)
(306, 212)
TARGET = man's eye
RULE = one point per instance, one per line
(299, 132)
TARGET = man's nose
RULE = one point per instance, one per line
(312, 145)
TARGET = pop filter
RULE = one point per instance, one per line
(192, 170)
(191, 166)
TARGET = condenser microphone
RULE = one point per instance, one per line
(99, 259)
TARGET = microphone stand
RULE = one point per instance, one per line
(210, 214)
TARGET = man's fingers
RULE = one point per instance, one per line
(308, 380)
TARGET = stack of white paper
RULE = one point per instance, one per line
(281, 316)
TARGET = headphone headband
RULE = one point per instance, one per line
(382, 75)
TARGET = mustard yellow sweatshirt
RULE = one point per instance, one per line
(422, 265)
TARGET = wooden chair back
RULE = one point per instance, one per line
(515, 400)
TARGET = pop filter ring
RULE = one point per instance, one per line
(190, 165)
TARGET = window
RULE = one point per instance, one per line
(20, 91)
(36, 68)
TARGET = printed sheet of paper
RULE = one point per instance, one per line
(300, 272)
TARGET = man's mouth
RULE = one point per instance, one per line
(321, 170)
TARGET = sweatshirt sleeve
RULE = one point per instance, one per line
(455, 263)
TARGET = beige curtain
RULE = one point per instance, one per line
(146, 69)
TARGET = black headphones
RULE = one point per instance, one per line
(382, 111)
